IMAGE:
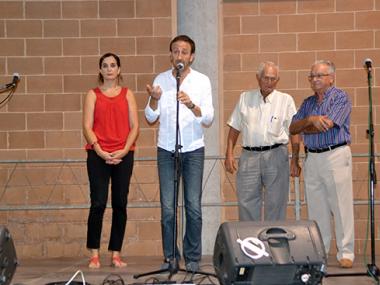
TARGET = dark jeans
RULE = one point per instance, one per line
(191, 166)
(99, 174)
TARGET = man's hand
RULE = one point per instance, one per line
(295, 169)
(230, 164)
(154, 92)
(184, 99)
(321, 123)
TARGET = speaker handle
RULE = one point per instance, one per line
(276, 233)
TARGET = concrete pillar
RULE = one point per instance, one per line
(199, 19)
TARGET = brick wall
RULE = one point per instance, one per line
(55, 46)
(294, 34)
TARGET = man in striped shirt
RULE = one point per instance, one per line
(324, 121)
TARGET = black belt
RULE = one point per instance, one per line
(262, 148)
(319, 150)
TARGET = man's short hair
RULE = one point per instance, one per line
(329, 63)
(183, 38)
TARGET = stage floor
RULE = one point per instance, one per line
(44, 271)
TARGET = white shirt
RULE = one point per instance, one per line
(263, 123)
(198, 87)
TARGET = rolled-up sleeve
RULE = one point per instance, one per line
(150, 114)
(206, 106)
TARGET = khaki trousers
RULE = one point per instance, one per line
(328, 185)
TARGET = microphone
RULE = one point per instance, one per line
(179, 66)
(15, 80)
(368, 63)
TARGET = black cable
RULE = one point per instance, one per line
(8, 97)
(117, 281)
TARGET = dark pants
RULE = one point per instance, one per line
(99, 174)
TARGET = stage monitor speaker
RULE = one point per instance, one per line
(8, 259)
(269, 253)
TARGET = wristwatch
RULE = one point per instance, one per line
(192, 106)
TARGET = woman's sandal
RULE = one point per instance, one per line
(116, 262)
(94, 262)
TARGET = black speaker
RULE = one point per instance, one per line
(269, 253)
(8, 259)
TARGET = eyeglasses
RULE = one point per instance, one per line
(318, 75)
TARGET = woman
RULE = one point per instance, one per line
(110, 126)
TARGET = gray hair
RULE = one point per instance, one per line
(262, 65)
(328, 63)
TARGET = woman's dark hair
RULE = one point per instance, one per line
(183, 38)
(108, 54)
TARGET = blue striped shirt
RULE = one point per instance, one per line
(337, 106)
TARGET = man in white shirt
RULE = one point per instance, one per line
(195, 112)
(263, 117)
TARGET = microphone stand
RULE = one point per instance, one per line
(372, 269)
(173, 267)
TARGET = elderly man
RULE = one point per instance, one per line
(324, 121)
(263, 116)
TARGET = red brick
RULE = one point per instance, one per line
(78, 83)
(354, 40)
(25, 65)
(239, 80)
(295, 61)
(46, 83)
(43, 47)
(98, 28)
(232, 62)
(277, 42)
(157, 8)
(231, 25)
(162, 27)
(63, 102)
(152, 45)
(259, 24)
(12, 121)
(240, 43)
(119, 45)
(135, 27)
(12, 47)
(316, 6)
(297, 23)
(117, 9)
(288, 80)
(66, 139)
(341, 59)
(11, 9)
(316, 41)
(80, 46)
(350, 78)
(137, 64)
(72, 120)
(80, 9)
(43, 10)
(251, 61)
(26, 103)
(277, 8)
(368, 20)
(62, 65)
(353, 5)
(44, 121)
(61, 28)
(24, 28)
(30, 139)
(239, 8)
(335, 21)
(161, 63)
